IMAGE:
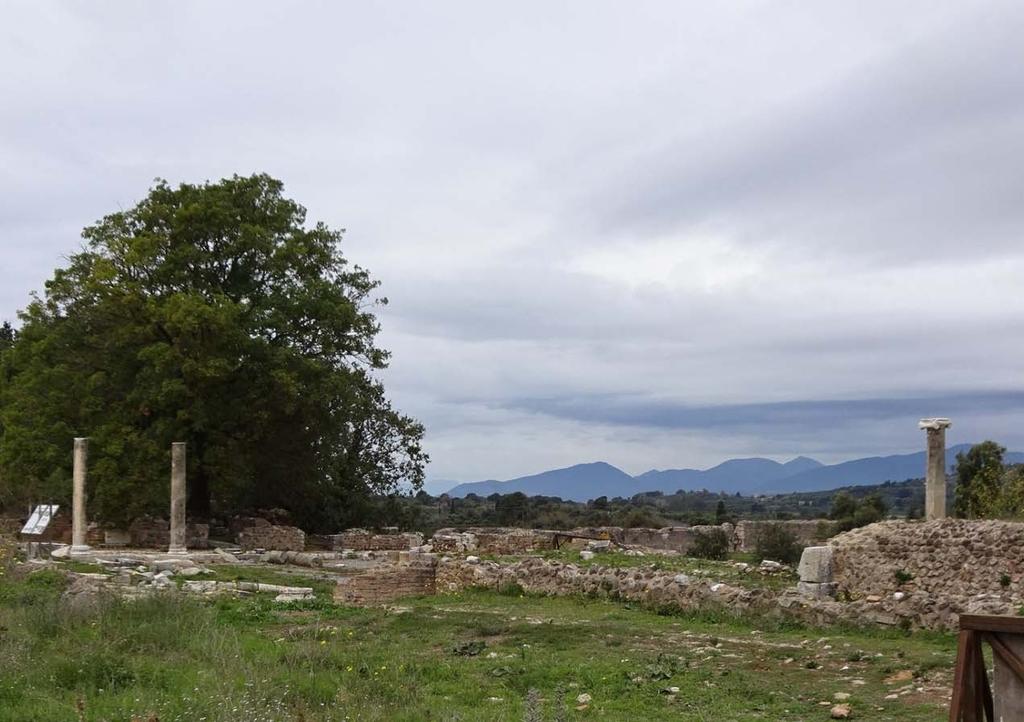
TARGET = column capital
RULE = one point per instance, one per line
(934, 424)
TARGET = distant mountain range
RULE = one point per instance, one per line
(583, 482)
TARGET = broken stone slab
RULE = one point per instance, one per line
(283, 597)
(599, 545)
(172, 565)
(815, 590)
(61, 552)
(586, 554)
(209, 587)
(816, 565)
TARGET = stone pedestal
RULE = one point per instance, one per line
(935, 468)
(178, 499)
(815, 572)
(78, 498)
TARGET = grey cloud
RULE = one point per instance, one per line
(864, 163)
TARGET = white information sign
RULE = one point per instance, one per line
(40, 519)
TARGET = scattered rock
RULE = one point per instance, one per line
(841, 711)
(584, 699)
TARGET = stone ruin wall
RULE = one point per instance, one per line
(491, 540)
(947, 558)
(151, 533)
(386, 583)
(361, 540)
(270, 536)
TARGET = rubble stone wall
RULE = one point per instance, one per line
(492, 540)
(913, 610)
(364, 541)
(386, 583)
(945, 558)
(268, 536)
(150, 533)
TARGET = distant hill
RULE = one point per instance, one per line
(872, 470)
(583, 482)
(579, 483)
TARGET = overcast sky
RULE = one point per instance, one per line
(658, 234)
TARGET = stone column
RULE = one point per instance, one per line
(935, 468)
(78, 497)
(178, 498)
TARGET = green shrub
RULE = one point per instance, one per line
(778, 543)
(903, 576)
(711, 544)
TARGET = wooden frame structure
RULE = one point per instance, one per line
(972, 693)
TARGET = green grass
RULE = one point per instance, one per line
(473, 656)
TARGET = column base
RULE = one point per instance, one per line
(177, 551)
(80, 550)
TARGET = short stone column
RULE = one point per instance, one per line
(935, 467)
(78, 497)
(178, 499)
(815, 573)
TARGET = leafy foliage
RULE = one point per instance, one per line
(710, 544)
(776, 542)
(208, 314)
(850, 513)
(979, 480)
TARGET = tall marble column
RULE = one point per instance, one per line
(178, 498)
(935, 468)
(78, 497)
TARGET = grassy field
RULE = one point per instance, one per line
(476, 656)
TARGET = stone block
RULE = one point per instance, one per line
(816, 565)
(814, 590)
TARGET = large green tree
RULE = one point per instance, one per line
(979, 479)
(210, 314)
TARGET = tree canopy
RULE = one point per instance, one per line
(979, 480)
(209, 314)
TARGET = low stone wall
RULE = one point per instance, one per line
(491, 540)
(386, 583)
(150, 533)
(361, 540)
(954, 559)
(808, 532)
(671, 538)
(268, 536)
(660, 588)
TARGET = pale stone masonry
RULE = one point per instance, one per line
(815, 573)
(935, 467)
(78, 498)
(178, 499)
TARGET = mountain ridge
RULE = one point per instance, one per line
(751, 475)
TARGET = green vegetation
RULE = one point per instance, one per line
(985, 487)
(653, 509)
(474, 656)
(850, 513)
(776, 542)
(710, 544)
(210, 314)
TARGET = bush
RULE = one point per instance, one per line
(711, 544)
(776, 542)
